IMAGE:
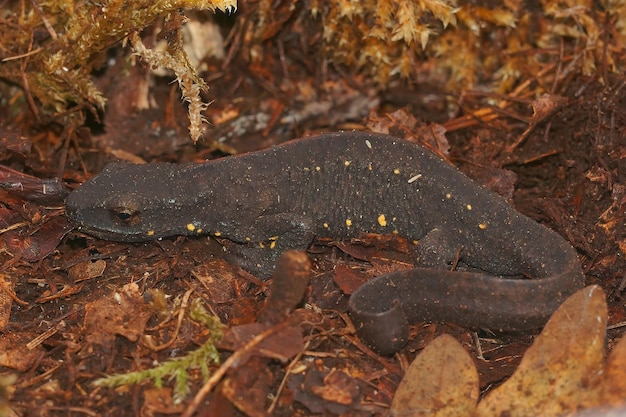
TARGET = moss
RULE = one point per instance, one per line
(460, 44)
(51, 48)
(177, 369)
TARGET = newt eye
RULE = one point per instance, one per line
(125, 215)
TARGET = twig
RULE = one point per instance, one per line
(234, 359)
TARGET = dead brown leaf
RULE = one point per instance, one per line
(338, 387)
(66, 291)
(431, 136)
(15, 354)
(441, 381)
(543, 107)
(217, 279)
(281, 345)
(158, 401)
(124, 313)
(247, 387)
(325, 391)
(347, 279)
(87, 270)
(289, 283)
(33, 246)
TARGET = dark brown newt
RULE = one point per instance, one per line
(515, 272)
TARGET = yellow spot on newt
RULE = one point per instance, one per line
(468, 206)
(273, 244)
(150, 233)
(191, 227)
(218, 234)
(199, 230)
(395, 232)
(325, 225)
(482, 226)
(348, 222)
(370, 167)
(396, 171)
(248, 239)
(382, 221)
(346, 163)
(368, 143)
(416, 242)
(273, 238)
(262, 245)
(318, 169)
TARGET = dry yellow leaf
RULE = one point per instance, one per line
(442, 381)
(614, 383)
(556, 370)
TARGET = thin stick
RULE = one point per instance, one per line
(234, 359)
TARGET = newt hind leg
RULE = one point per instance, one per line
(438, 249)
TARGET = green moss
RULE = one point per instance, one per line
(178, 369)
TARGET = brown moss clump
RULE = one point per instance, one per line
(463, 44)
(50, 48)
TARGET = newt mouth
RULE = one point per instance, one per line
(84, 221)
(134, 236)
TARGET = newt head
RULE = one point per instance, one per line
(130, 203)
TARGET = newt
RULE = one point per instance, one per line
(511, 272)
